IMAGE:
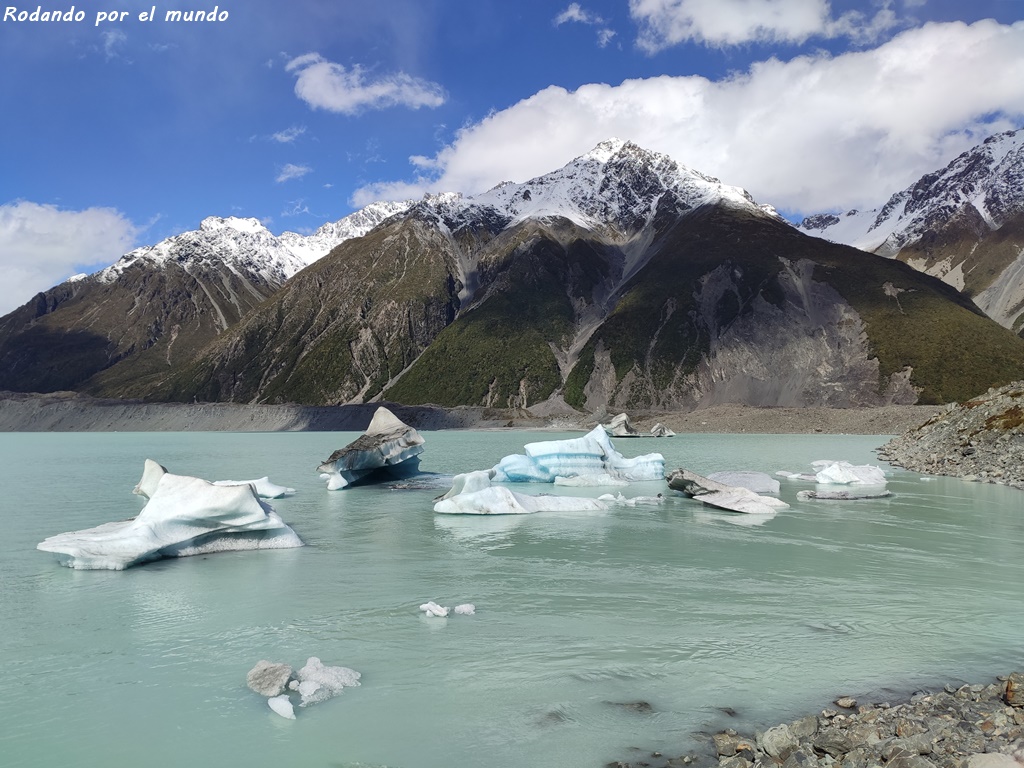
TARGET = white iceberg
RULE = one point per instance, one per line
(758, 482)
(619, 426)
(432, 609)
(473, 494)
(632, 502)
(590, 455)
(722, 496)
(581, 481)
(388, 450)
(466, 609)
(316, 682)
(263, 487)
(282, 705)
(184, 516)
(844, 473)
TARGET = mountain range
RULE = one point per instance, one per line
(963, 223)
(622, 280)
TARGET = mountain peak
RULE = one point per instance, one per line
(251, 225)
(608, 148)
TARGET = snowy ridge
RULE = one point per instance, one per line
(989, 178)
(617, 184)
(244, 244)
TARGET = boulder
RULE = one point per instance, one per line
(268, 678)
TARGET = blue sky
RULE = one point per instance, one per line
(123, 133)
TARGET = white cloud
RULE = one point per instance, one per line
(113, 39)
(604, 36)
(288, 135)
(576, 13)
(291, 171)
(42, 245)
(664, 23)
(325, 85)
(805, 135)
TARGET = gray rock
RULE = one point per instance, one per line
(268, 678)
(833, 741)
(778, 742)
(1014, 695)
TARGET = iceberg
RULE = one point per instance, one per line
(619, 426)
(592, 454)
(432, 609)
(183, 516)
(316, 682)
(263, 487)
(282, 705)
(844, 473)
(473, 494)
(660, 430)
(843, 495)
(758, 482)
(388, 450)
(722, 496)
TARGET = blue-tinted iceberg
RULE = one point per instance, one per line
(473, 494)
(184, 516)
(590, 455)
(844, 473)
(388, 450)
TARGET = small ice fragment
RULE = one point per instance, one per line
(282, 705)
(466, 609)
(433, 609)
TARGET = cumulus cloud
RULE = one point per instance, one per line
(811, 134)
(664, 23)
(325, 85)
(42, 245)
(291, 171)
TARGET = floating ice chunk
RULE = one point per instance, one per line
(796, 476)
(466, 609)
(619, 426)
(184, 516)
(758, 482)
(318, 682)
(631, 502)
(473, 494)
(263, 487)
(579, 481)
(660, 430)
(389, 449)
(844, 473)
(592, 454)
(843, 495)
(282, 705)
(432, 609)
(722, 496)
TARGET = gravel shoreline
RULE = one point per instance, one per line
(71, 412)
(967, 726)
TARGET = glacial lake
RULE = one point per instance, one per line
(640, 627)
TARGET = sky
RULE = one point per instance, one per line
(119, 131)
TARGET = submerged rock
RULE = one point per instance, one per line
(184, 516)
(388, 450)
(843, 495)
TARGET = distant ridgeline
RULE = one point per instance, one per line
(623, 280)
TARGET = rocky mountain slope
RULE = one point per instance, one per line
(622, 280)
(963, 223)
(124, 327)
(980, 439)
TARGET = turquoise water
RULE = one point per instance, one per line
(675, 605)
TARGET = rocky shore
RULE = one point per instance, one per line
(971, 726)
(980, 439)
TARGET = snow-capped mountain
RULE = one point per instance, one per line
(616, 187)
(244, 245)
(621, 280)
(960, 223)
